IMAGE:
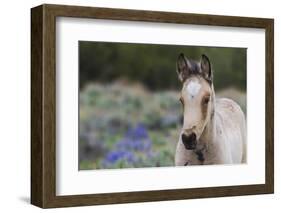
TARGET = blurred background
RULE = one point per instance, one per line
(130, 114)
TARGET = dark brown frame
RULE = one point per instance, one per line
(43, 105)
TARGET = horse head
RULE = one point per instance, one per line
(197, 97)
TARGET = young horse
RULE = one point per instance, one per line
(214, 130)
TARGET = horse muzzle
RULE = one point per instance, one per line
(189, 141)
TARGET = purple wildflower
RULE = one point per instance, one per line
(139, 132)
(115, 156)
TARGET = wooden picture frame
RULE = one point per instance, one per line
(43, 105)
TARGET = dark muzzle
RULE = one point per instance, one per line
(189, 141)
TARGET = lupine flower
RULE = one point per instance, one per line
(135, 145)
(138, 132)
(115, 156)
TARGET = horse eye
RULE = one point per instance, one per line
(206, 100)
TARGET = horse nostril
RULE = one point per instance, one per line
(193, 136)
(189, 141)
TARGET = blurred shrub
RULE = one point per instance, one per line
(127, 126)
(154, 65)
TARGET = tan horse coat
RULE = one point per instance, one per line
(223, 140)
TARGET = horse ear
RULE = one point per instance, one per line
(183, 67)
(206, 68)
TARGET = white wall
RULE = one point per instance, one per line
(15, 106)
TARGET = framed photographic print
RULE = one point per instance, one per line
(136, 106)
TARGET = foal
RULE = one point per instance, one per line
(214, 130)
